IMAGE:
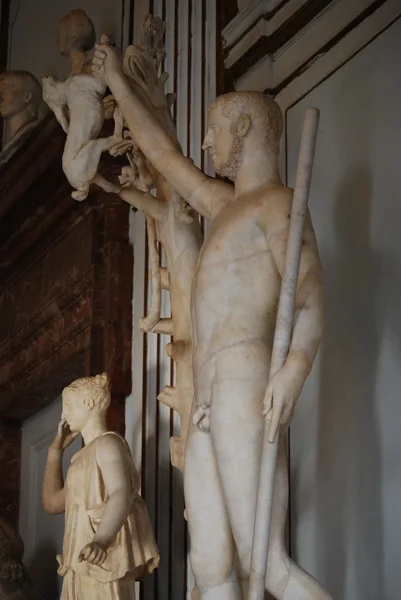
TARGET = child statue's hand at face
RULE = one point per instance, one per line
(64, 437)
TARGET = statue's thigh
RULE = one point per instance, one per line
(236, 417)
(237, 433)
(212, 548)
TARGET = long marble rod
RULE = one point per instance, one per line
(281, 345)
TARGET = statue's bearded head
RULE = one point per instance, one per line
(83, 398)
(19, 91)
(241, 122)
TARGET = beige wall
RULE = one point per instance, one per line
(345, 440)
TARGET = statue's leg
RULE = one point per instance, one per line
(212, 547)
(285, 579)
(82, 587)
(82, 167)
(80, 194)
(106, 185)
(85, 166)
(237, 428)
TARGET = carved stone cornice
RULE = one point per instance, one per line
(269, 44)
(244, 21)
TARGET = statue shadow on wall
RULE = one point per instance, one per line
(349, 495)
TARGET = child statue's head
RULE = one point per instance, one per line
(84, 398)
(75, 31)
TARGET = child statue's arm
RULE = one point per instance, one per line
(111, 456)
(53, 494)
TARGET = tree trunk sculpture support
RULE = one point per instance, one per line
(173, 222)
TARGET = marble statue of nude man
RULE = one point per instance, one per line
(234, 303)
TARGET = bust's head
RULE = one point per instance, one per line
(20, 92)
(75, 31)
(241, 122)
(83, 398)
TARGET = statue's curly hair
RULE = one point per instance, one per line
(258, 106)
(93, 392)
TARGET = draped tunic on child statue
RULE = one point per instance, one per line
(134, 553)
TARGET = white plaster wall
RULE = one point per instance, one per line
(42, 533)
(33, 31)
(345, 440)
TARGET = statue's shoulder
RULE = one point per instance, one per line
(274, 208)
(278, 199)
(111, 440)
(278, 193)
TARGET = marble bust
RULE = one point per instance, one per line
(20, 100)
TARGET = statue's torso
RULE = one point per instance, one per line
(236, 286)
(84, 100)
(85, 501)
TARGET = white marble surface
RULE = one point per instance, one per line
(108, 541)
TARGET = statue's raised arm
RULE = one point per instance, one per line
(204, 194)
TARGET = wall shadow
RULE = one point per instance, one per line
(348, 497)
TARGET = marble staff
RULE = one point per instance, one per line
(281, 344)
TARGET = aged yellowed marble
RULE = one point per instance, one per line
(108, 538)
(235, 295)
(77, 104)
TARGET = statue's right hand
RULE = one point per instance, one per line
(106, 60)
(64, 437)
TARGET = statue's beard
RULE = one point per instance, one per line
(231, 167)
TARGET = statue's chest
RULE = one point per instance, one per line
(77, 476)
(235, 234)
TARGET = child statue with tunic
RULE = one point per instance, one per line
(108, 539)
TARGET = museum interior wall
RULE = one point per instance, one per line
(343, 441)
